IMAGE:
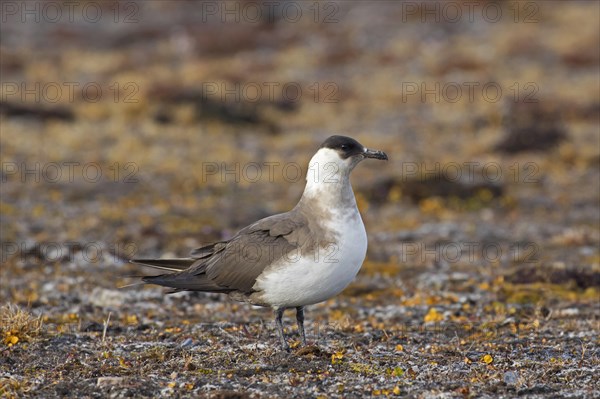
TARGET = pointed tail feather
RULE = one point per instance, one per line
(131, 285)
(173, 265)
(185, 282)
(178, 279)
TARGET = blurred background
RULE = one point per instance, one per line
(160, 126)
(149, 128)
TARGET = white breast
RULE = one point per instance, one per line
(318, 276)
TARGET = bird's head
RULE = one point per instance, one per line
(336, 158)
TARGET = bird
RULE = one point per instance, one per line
(288, 260)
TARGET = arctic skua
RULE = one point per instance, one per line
(290, 260)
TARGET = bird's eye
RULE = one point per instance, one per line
(344, 147)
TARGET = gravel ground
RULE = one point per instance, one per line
(155, 127)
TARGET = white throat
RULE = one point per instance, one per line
(328, 178)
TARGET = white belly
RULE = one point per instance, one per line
(313, 278)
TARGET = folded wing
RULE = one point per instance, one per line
(233, 265)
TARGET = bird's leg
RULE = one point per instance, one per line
(279, 315)
(300, 321)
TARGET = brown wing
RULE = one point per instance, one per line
(237, 263)
(234, 265)
(207, 250)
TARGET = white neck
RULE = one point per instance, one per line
(328, 179)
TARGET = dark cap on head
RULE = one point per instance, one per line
(347, 147)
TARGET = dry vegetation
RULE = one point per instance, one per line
(479, 286)
(17, 325)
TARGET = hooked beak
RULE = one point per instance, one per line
(368, 153)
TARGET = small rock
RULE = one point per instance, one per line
(568, 312)
(511, 377)
(108, 381)
(103, 297)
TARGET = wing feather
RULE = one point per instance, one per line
(234, 265)
(173, 265)
(252, 250)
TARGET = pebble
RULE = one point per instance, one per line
(511, 377)
(107, 381)
(104, 297)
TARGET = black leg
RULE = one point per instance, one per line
(300, 321)
(279, 315)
